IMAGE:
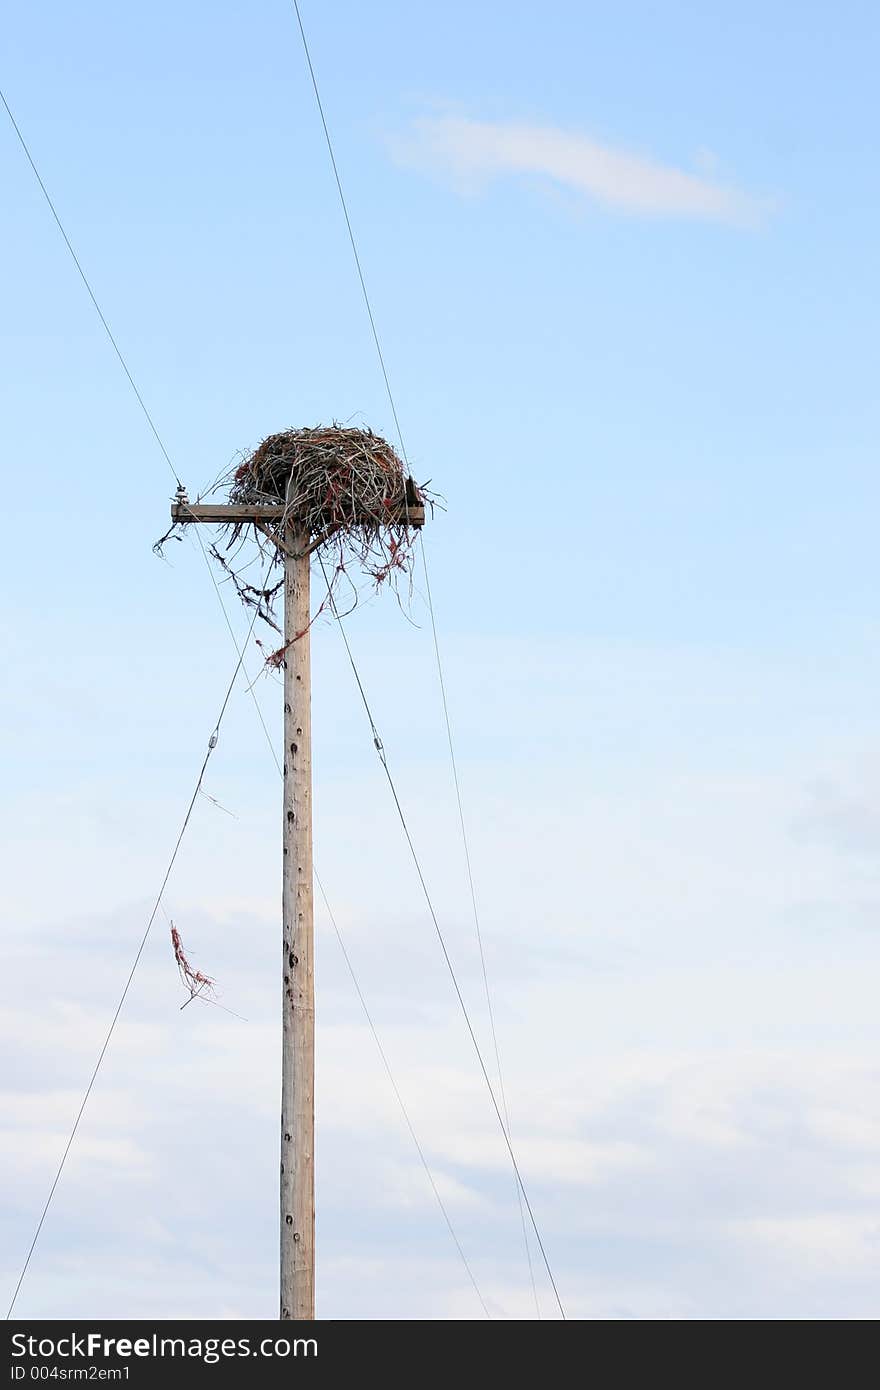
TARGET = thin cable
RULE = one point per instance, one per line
(109, 332)
(386, 1064)
(393, 405)
(354, 250)
(239, 651)
(90, 291)
(114, 344)
(212, 744)
(476, 914)
(383, 758)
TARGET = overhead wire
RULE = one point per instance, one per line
(351, 236)
(380, 1048)
(400, 1101)
(89, 290)
(110, 336)
(383, 759)
(250, 686)
(505, 1120)
(212, 744)
(476, 914)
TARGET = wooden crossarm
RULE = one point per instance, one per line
(221, 513)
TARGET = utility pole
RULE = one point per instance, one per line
(297, 913)
(297, 899)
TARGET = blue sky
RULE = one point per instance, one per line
(623, 261)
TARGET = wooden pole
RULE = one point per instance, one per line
(298, 997)
(298, 1000)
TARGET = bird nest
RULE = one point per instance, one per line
(345, 494)
(328, 479)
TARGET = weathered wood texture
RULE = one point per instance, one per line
(298, 1000)
(222, 513)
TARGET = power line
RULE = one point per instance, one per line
(400, 1101)
(113, 342)
(476, 914)
(383, 1055)
(381, 1050)
(212, 744)
(393, 405)
(383, 758)
(240, 655)
(354, 250)
(89, 289)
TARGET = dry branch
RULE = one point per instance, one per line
(345, 489)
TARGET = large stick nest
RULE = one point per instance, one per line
(330, 478)
(346, 494)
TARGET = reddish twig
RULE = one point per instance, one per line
(194, 980)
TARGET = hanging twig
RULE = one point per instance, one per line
(349, 494)
(250, 595)
(194, 980)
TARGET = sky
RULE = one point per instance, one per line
(623, 264)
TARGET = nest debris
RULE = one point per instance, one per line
(342, 485)
(345, 491)
(194, 980)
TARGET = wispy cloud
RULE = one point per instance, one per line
(473, 150)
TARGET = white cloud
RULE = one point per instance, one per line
(684, 1058)
(825, 1244)
(476, 150)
